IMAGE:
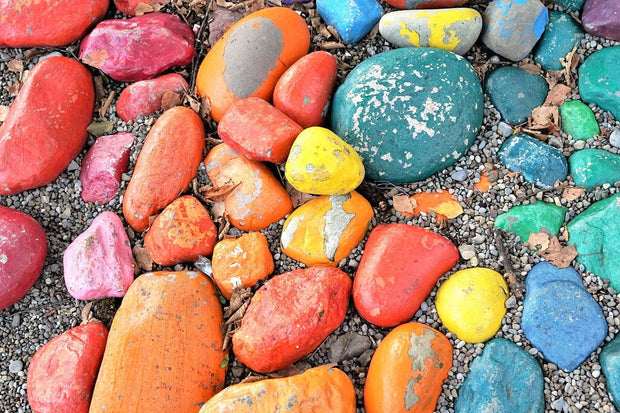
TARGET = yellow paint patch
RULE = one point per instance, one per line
(438, 23)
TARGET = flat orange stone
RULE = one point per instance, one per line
(441, 203)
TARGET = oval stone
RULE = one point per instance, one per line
(251, 56)
(594, 167)
(610, 365)
(131, 6)
(425, 4)
(599, 79)
(602, 18)
(560, 36)
(524, 220)
(409, 112)
(578, 120)
(570, 5)
(352, 19)
(325, 230)
(145, 97)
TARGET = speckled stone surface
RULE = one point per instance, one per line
(353, 19)
(570, 5)
(599, 79)
(592, 167)
(560, 36)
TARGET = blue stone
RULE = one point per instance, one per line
(610, 363)
(353, 19)
(560, 318)
(562, 34)
(599, 79)
(539, 163)
(504, 378)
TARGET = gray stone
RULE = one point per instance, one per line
(614, 138)
(347, 346)
(15, 366)
(459, 175)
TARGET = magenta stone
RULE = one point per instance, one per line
(144, 98)
(602, 18)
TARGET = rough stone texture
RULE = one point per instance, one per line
(425, 4)
(593, 167)
(560, 36)
(129, 6)
(599, 79)
(578, 121)
(524, 220)
(353, 19)
(602, 18)
(570, 5)
(610, 364)
(145, 97)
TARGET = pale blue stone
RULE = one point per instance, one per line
(353, 19)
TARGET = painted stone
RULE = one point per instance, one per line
(103, 165)
(257, 200)
(539, 163)
(512, 27)
(322, 163)
(138, 48)
(47, 23)
(325, 230)
(504, 378)
(425, 4)
(594, 167)
(129, 6)
(353, 19)
(471, 303)
(515, 92)
(23, 248)
(610, 365)
(258, 130)
(602, 18)
(251, 56)
(578, 121)
(98, 263)
(182, 232)
(145, 97)
(441, 203)
(407, 370)
(594, 234)
(399, 268)
(223, 19)
(599, 79)
(455, 30)
(523, 220)
(304, 90)
(46, 125)
(570, 5)
(409, 112)
(560, 36)
(241, 262)
(560, 318)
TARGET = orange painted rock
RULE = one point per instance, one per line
(290, 316)
(399, 268)
(47, 22)
(46, 125)
(407, 370)
(441, 203)
(145, 97)
(129, 6)
(257, 200)
(304, 90)
(165, 166)
(251, 56)
(324, 230)
(425, 4)
(241, 262)
(258, 130)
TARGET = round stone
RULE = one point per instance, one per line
(599, 80)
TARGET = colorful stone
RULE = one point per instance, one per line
(442, 204)
(353, 19)
(425, 4)
(524, 220)
(594, 167)
(560, 37)
(145, 97)
(130, 6)
(610, 365)
(602, 18)
(570, 5)
(578, 121)
(599, 79)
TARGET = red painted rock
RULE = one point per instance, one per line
(425, 4)
(138, 48)
(129, 6)
(62, 373)
(103, 165)
(183, 231)
(23, 248)
(251, 56)
(304, 90)
(47, 22)
(258, 130)
(290, 316)
(46, 125)
(165, 166)
(145, 97)
(400, 266)
(98, 263)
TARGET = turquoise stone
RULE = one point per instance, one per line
(599, 79)
(610, 364)
(561, 35)
(593, 167)
(409, 112)
(578, 120)
(532, 218)
(570, 5)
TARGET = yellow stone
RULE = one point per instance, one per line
(321, 163)
(471, 303)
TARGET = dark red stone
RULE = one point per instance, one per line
(602, 18)
(129, 6)
(144, 98)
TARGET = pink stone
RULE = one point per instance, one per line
(129, 6)
(145, 97)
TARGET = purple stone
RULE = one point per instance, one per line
(602, 18)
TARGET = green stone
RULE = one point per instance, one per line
(560, 36)
(524, 220)
(570, 5)
(594, 233)
(578, 120)
(599, 80)
(593, 167)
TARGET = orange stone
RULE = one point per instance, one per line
(441, 203)
(484, 184)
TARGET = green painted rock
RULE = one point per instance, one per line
(524, 220)
(578, 120)
(610, 364)
(561, 35)
(594, 233)
(599, 79)
(570, 5)
(593, 167)
(409, 112)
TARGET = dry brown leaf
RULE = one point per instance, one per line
(559, 255)
(14, 88)
(87, 314)
(545, 118)
(194, 103)
(570, 63)
(170, 99)
(15, 66)
(404, 204)
(143, 8)
(216, 194)
(217, 210)
(331, 45)
(538, 241)
(297, 197)
(99, 88)
(531, 68)
(106, 104)
(143, 259)
(513, 174)
(553, 77)
(4, 111)
(322, 29)
(571, 194)
(100, 128)
(557, 95)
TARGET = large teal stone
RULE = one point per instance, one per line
(594, 233)
(593, 167)
(526, 219)
(599, 79)
(504, 378)
(578, 120)
(610, 364)
(570, 5)
(409, 112)
(561, 35)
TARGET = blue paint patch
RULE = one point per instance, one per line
(292, 402)
(541, 23)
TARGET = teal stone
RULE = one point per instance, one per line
(599, 79)
(610, 365)
(504, 378)
(409, 112)
(514, 92)
(594, 233)
(570, 5)
(578, 120)
(561, 35)
(594, 167)
(524, 220)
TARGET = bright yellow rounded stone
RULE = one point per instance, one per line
(321, 163)
(471, 303)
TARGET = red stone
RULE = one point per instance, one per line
(304, 90)
(23, 248)
(46, 125)
(47, 22)
(400, 266)
(138, 48)
(258, 130)
(145, 97)
(129, 6)
(425, 4)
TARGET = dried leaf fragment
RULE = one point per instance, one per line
(216, 194)
(4, 111)
(531, 68)
(538, 241)
(571, 194)
(559, 255)
(143, 8)
(15, 66)
(557, 95)
(404, 204)
(170, 99)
